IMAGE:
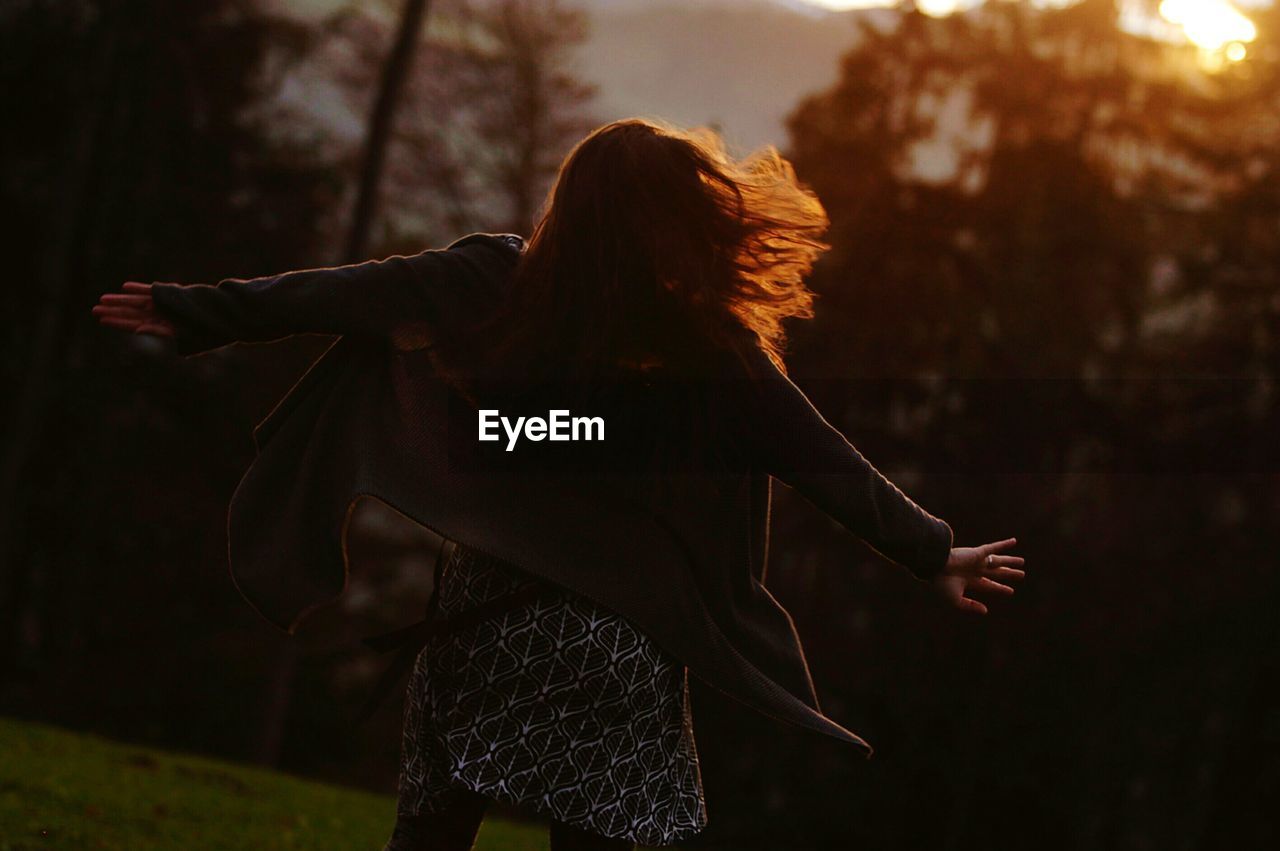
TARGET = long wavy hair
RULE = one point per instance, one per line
(656, 246)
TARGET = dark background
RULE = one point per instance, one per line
(1051, 310)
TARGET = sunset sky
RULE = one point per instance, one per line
(1211, 24)
(943, 4)
(630, 56)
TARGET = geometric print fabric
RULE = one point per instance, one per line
(557, 706)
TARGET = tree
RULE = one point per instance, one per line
(496, 112)
(395, 70)
(489, 108)
(528, 105)
(1039, 222)
(134, 162)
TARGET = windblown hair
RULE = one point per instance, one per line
(655, 246)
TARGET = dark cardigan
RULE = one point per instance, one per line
(372, 418)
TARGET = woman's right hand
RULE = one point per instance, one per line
(132, 310)
(983, 568)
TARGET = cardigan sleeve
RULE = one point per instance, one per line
(794, 443)
(400, 295)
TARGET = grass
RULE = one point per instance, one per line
(61, 790)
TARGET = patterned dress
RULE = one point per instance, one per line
(554, 705)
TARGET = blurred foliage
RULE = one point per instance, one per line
(491, 108)
(1053, 288)
(139, 158)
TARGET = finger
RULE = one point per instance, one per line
(984, 584)
(125, 300)
(967, 605)
(125, 324)
(1006, 561)
(136, 287)
(112, 310)
(1008, 574)
(997, 546)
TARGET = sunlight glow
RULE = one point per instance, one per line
(1217, 27)
(842, 5)
(937, 8)
(1211, 24)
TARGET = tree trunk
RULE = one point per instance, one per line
(381, 120)
(84, 174)
(377, 138)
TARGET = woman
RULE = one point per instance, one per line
(588, 582)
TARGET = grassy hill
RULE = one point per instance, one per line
(61, 790)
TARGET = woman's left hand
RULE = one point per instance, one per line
(133, 310)
(983, 568)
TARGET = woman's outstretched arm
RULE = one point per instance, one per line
(377, 297)
(793, 442)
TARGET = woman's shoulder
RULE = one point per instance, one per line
(487, 261)
(511, 244)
